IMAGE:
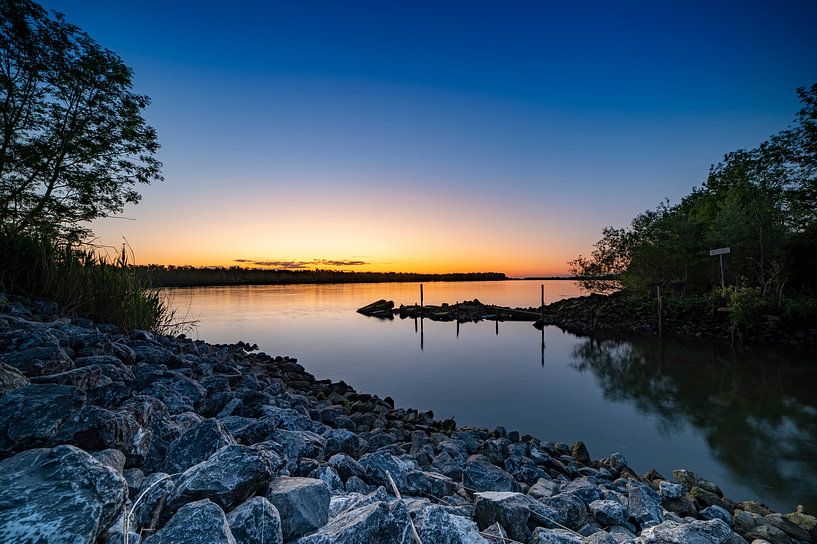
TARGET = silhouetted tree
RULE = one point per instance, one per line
(73, 143)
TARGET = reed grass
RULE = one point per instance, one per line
(85, 281)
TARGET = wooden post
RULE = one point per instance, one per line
(421, 297)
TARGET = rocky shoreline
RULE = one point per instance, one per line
(172, 440)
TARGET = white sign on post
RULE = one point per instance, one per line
(720, 252)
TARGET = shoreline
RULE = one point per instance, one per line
(172, 417)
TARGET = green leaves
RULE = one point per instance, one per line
(73, 142)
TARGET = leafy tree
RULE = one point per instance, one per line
(73, 142)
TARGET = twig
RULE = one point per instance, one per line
(399, 498)
(126, 522)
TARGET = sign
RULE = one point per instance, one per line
(719, 251)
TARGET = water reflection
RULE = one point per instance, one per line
(756, 410)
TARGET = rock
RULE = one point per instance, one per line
(379, 464)
(644, 504)
(671, 490)
(86, 378)
(379, 522)
(199, 522)
(303, 504)
(744, 521)
(600, 537)
(154, 491)
(95, 428)
(10, 378)
(704, 498)
(804, 521)
(768, 532)
(608, 512)
(509, 509)
(195, 445)
(298, 444)
(39, 361)
(566, 509)
(482, 475)
(495, 534)
(543, 488)
(716, 512)
(343, 441)
(422, 484)
(585, 488)
(554, 536)
(436, 525)
(330, 477)
(256, 522)
(30, 415)
(346, 466)
(59, 495)
(111, 458)
(580, 453)
(690, 479)
(229, 477)
(784, 524)
(697, 532)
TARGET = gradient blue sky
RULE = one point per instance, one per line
(438, 135)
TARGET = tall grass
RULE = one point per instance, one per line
(83, 281)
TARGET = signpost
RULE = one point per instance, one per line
(720, 252)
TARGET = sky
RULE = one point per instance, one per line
(437, 136)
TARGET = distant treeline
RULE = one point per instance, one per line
(187, 276)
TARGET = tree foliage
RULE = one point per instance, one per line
(762, 203)
(73, 142)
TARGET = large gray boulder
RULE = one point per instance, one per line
(60, 496)
(644, 504)
(229, 477)
(436, 524)
(303, 504)
(196, 445)
(95, 428)
(379, 465)
(609, 512)
(517, 513)
(381, 522)
(31, 415)
(256, 522)
(697, 532)
(482, 475)
(201, 522)
(39, 360)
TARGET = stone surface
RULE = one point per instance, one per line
(10, 378)
(31, 415)
(379, 522)
(482, 475)
(554, 536)
(435, 524)
(201, 522)
(195, 445)
(256, 522)
(644, 504)
(697, 532)
(303, 504)
(608, 512)
(59, 495)
(229, 477)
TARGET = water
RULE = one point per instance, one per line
(745, 419)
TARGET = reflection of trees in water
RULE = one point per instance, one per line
(757, 412)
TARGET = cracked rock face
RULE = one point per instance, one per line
(59, 495)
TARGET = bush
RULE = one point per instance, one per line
(82, 281)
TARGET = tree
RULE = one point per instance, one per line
(73, 142)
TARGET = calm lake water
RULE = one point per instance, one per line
(746, 419)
